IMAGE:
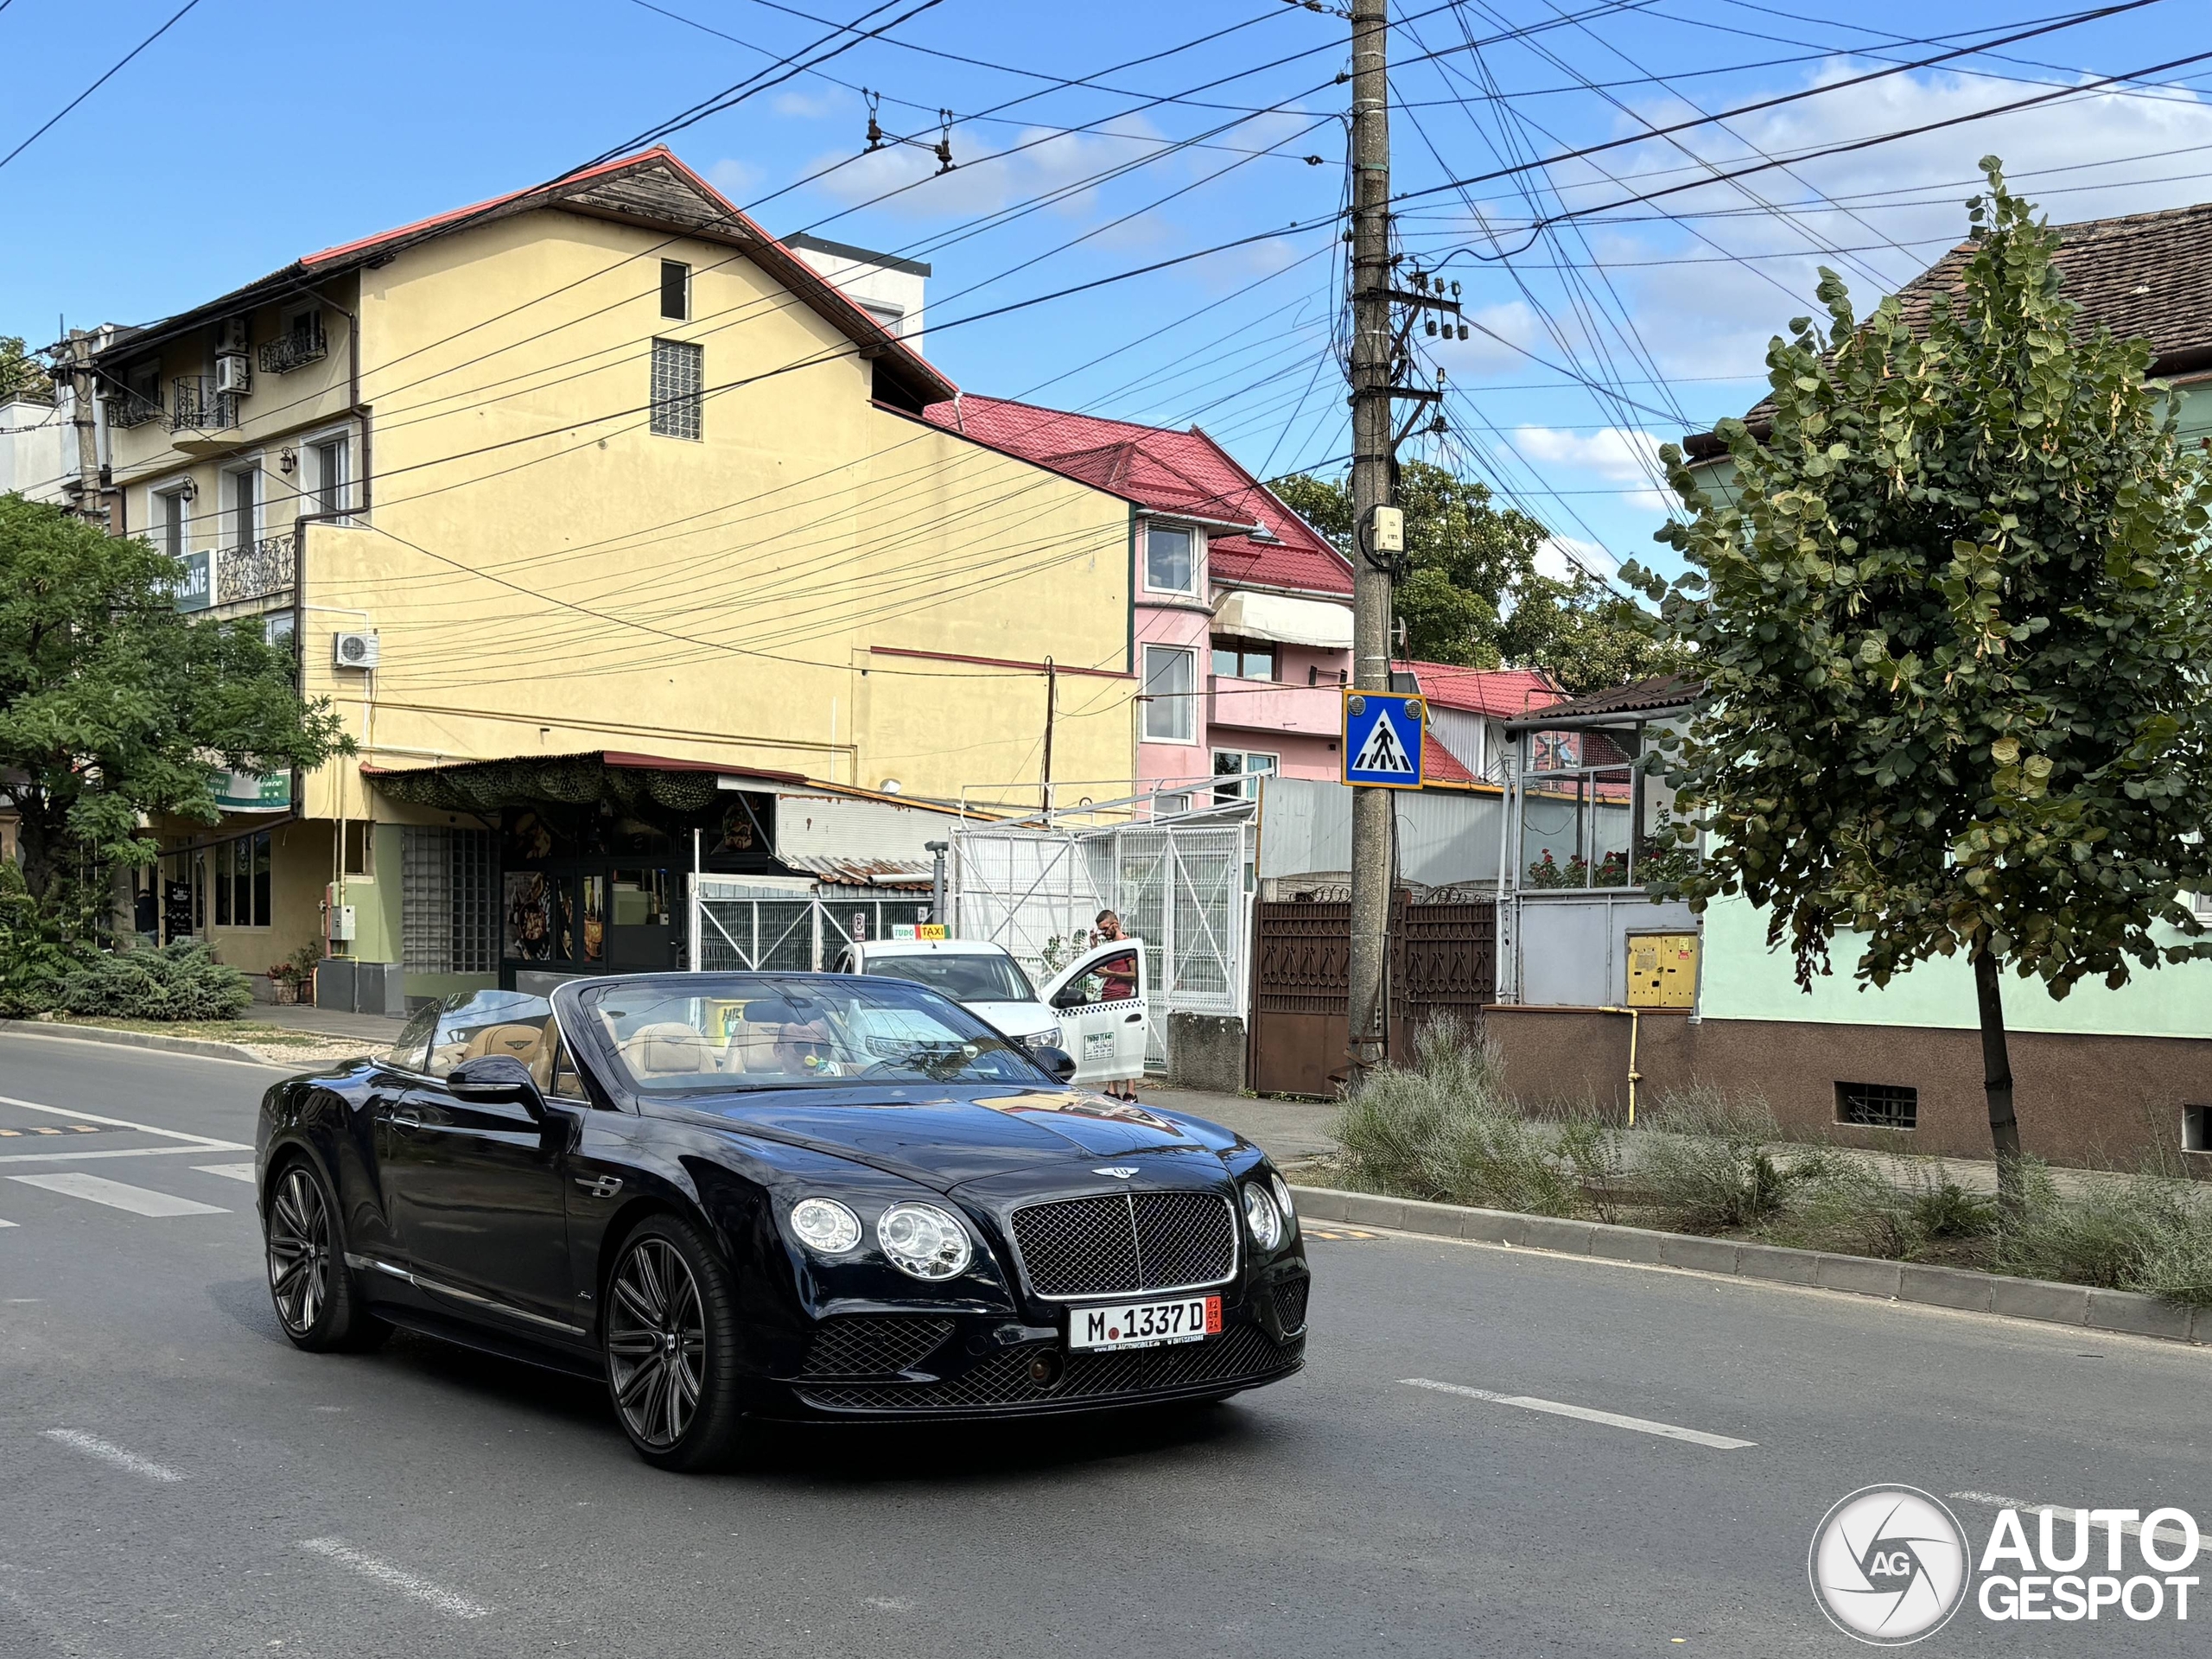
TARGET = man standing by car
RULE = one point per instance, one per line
(1119, 975)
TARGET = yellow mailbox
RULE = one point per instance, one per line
(1662, 970)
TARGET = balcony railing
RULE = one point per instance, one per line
(254, 570)
(304, 345)
(126, 408)
(196, 403)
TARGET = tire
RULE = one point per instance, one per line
(669, 1337)
(309, 1284)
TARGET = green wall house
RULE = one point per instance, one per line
(2101, 1074)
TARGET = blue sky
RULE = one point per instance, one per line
(253, 132)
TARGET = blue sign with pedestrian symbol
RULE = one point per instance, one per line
(1381, 741)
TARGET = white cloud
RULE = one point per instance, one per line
(1560, 555)
(1617, 454)
(813, 106)
(734, 178)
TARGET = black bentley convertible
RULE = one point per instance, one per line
(748, 1197)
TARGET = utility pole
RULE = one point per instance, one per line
(1371, 352)
(92, 501)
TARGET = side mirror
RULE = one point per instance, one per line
(1068, 997)
(1058, 1061)
(497, 1077)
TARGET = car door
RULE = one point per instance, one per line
(1102, 999)
(476, 1187)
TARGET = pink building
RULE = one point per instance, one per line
(1241, 631)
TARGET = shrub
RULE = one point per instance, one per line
(1444, 1129)
(1706, 1166)
(2148, 1232)
(178, 981)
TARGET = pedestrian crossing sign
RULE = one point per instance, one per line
(1382, 739)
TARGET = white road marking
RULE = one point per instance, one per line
(120, 1195)
(1528, 1402)
(7, 1223)
(108, 1452)
(235, 1172)
(126, 1152)
(206, 1140)
(2066, 1511)
(395, 1578)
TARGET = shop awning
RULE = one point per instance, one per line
(1286, 620)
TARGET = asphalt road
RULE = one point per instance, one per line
(175, 1479)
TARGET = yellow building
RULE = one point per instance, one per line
(601, 483)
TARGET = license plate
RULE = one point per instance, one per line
(1098, 1045)
(1144, 1325)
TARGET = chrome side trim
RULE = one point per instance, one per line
(436, 1288)
(1236, 1251)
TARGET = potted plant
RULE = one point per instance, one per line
(286, 977)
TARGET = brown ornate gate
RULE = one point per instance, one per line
(1443, 958)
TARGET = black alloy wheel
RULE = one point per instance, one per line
(309, 1282)
(671, 1347)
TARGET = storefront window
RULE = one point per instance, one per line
(533, 924)
(594, 909)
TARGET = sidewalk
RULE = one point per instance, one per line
(333, 1022)
(1288, 1130)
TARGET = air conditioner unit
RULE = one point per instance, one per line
(354, 649)
(233, 374)
(230, 335)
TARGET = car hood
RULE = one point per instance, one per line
(1015, 1020)
(941, 1137)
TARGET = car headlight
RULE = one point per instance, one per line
(924, 1241)
(1282, 1191)
(1043, 1039)
(825, 1226)
(1261, 1216)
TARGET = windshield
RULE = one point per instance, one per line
(978, 978)
(714, 1032)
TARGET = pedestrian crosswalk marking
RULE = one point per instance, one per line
(235, 1172)
(120, 1195)
(7, 1223)
(1382, 752)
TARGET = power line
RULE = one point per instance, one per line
(175, 18)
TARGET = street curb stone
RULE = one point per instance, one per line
(198, 1045)
(1956, 1287)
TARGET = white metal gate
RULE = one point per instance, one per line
(755, 924)
(1184, 889)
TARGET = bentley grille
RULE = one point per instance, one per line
(1245, 1355)
(873, 1345)
(1120, 1244)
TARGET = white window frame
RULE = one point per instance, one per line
(226, 502)
(1198, 557)
(310, 493)
(158, 496)
(660, 299)
(1190, 720)
(1244, 757)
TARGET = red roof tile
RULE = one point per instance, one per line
(1440, 766)
(1501, 693)
(1167, 470)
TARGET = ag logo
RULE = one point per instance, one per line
(1889, 1565)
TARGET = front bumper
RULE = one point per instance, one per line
(908, 1365)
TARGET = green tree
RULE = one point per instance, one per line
(1473, 595)
(21, 375)
(1467, 557)
(1952, 615)
(113, 707)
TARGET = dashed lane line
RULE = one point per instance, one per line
(120, 1195)
(233, 1172)
(396, 1578)
(1584, 1413)
(107, 1452)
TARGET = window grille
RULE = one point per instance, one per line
(446, 909)
(1877, 1105)
(679, 374)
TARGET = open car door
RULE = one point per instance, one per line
(1102, 998)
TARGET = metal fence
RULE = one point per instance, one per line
(748, 924)
(1183, 887)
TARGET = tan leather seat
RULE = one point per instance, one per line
(523, 1042)
(668, 1050)
(541, 1062)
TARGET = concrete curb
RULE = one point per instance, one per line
(1904, 1281)
(200, 1045)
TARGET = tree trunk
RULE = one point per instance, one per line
(1997, 1083)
